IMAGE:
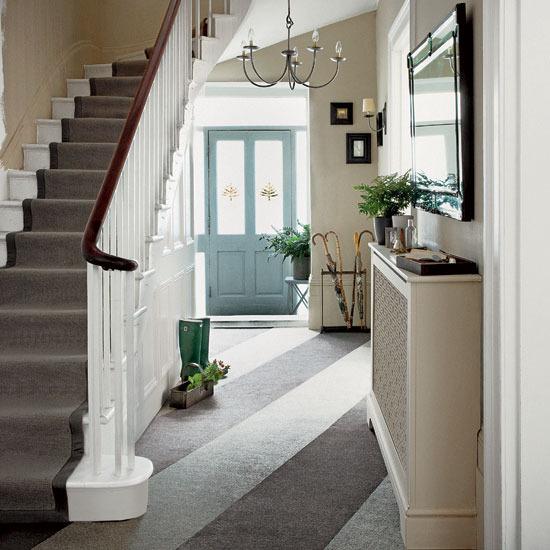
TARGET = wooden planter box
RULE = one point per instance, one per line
(180, 398)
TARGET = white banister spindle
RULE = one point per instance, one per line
(198, 51)
(210, 18)
(226, 6)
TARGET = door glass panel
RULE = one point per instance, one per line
(230, 187)
(269, 186)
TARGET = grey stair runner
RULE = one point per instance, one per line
(43, 317)
(129, 68)
(92, 130)
(102, 107)
(119, 86)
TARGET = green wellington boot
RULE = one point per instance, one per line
(205, 341)
(190, 338)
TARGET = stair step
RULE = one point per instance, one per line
(102, 107)
(48, 131)
(62, 107)
(35, 157)
(98, 70)
(56, 214)
(35, 249)
(69, 184)
(22, 185)
(129, 68)
(60, 331)
(80, 156)
(11, 216)
(91, 130)
(78, 87)
(117, 86)
(42, 288)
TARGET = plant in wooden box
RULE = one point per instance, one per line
(294, 243)
(201, 384)
(194, 337)
(385, 197)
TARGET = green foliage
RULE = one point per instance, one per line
(214, 372)
(440, 197)
(386, 196)
(289, 242)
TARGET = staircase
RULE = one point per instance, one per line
(75, 337)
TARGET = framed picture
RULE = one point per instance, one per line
(341, 113)
(358, 148)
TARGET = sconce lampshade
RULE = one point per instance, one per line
(369, 107)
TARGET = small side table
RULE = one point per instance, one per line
(294, 288)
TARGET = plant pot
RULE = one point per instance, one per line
(301, 268)
(400, 222)
(380, 225)
(180, 398)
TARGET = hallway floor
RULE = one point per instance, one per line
(280, 458)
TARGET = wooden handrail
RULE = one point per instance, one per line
(90, 250)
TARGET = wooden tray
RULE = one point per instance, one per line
(429, 267)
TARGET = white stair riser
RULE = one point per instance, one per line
(11, 217)
(78, 87)
(98, 71)
(211, 48)
(22, 185)
(36, 157)
(62, 107)
(3, 250)
(224, 28)
(48, 131)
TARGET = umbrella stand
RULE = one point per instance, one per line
(358, 277)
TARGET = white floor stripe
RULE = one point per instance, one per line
(191, 493)
(256, 351)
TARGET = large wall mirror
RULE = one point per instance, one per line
(440, 77)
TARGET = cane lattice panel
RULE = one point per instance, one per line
(390, 359)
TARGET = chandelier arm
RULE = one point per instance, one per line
(273, 82)
(295, 73)
(317, 86)
(266, 85)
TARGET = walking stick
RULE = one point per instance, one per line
(359, 275)
(341, 293)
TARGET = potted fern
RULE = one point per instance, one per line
(385, 197)
(294, 243)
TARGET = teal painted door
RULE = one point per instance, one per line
(250, 191)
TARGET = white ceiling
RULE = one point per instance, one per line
(267, 18)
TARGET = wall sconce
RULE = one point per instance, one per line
(369, 111)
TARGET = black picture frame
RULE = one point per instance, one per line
(358, 154)
(336, 111)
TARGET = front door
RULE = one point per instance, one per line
(250, 193)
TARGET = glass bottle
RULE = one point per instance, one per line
(410, 235)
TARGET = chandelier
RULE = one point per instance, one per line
(292, 62)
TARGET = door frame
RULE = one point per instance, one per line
(207, 187)
(516, 122)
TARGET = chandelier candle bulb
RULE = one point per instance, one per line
(315, 38)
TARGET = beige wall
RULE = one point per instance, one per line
(461, 238)
(333, 199)
(44, 43)
(48, 41)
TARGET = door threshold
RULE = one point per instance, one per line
(258, 321)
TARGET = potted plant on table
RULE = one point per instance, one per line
(294, 243)
(386, 197)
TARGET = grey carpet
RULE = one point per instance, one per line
(81, 156)
(309, 499)
(69, 184)
(92, 130)
(129, 68)
(173, 436)
(43, 319)
(375, 526)
(119, 86)
(102, 107)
